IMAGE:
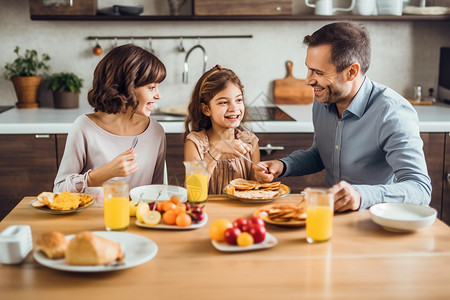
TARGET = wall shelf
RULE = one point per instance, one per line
(426, 18)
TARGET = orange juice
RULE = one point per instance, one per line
(197, 187)
(115, 205)
(117, 213)
(319, 223)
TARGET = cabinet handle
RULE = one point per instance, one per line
(448, 177)
(269, 148)
(42, 136)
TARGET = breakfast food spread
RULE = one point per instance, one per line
(62, 201)
(86, 248)
(53, 244)
(249, 189)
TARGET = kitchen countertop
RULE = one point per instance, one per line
(433, 118)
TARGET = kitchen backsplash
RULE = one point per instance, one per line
(404, 53)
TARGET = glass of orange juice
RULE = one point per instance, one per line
(115, 205)
(196, 182)
(319, 214)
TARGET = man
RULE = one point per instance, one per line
(366, 135)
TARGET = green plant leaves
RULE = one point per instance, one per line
(26, 65)
(68, 82)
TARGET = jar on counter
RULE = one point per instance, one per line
(418, 93)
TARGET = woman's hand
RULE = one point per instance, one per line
(124, 164)
(121, 166)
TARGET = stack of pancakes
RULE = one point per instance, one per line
(249, 189)
(287, 212)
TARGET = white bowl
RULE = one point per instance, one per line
(149, 193)
(402, 217)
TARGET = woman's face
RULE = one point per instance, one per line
(146, 96)
(226, 109)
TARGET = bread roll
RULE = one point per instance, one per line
(53, 244)
(87, 248)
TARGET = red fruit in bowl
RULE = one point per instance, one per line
(231, 235)
(256, 220)
(245, 227)
(239, 222)
(258, 233)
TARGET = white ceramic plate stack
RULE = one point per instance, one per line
(402, 217)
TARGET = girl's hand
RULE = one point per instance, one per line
(124, 164)
(234, 147)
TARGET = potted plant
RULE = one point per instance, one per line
(24, 74)
(66, 88)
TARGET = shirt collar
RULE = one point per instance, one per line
(359, 103)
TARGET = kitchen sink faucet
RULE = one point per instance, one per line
(186, 65)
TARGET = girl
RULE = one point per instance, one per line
(213, 130)
(98, 147)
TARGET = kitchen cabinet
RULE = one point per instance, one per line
(446, 182)
(433, 148)
(28, 167)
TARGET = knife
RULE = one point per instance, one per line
(246, 158)
(251, 161)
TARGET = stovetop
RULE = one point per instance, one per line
(267, 113)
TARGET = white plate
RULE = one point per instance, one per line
(174, 227)
(138, 250)
(269, 242)
(402, 217)
(149, 193)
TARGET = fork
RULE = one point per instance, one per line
(134, 143)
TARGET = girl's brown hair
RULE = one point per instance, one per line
(119, 73)
(211, 83)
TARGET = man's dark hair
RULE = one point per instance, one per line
(349, 42)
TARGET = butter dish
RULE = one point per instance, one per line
(15, 243)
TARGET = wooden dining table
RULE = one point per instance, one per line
(361, 261)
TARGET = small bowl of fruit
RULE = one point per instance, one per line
(241, 235)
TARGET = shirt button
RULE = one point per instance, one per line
(337, 146)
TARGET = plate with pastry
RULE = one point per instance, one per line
(283, 214)
(250, 191)
(62, 203)
(98, 251)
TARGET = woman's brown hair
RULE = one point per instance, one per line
(119, 73)
(211, 83)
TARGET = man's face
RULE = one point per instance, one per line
(329, 86)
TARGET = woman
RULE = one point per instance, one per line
(98, 147)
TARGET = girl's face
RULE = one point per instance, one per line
(227, 108)
(147, 96)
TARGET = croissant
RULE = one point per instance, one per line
(86, 248)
